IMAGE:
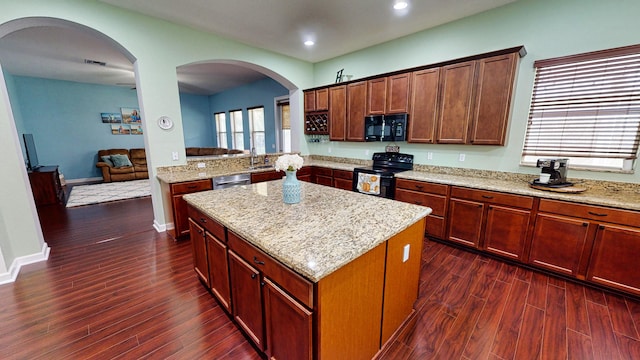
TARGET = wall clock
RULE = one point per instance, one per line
(165, 122)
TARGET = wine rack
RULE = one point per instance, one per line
(316, 124)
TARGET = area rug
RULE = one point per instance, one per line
(100, 193)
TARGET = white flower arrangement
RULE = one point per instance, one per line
(289, 162)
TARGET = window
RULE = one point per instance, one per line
(283, 107)
(221, 129)
(236, 129)
(587, 108)
(256, 127)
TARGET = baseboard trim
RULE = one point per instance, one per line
(83, 180)
(161, 227)
(18, 262)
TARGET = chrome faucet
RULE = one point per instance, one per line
(253, 157)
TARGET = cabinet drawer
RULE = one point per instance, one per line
(599, 213)
(322, 171)
(305, 170)
(422, 186)
(437, 203)
(191, 187)
(213, 227)
(291, 282)
(491, 197)
(343, 174)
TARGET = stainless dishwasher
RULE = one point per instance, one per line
(223, 182)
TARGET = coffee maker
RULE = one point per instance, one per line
(557, 170)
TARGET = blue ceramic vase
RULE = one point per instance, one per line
(291, 188)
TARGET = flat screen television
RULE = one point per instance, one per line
(32, 155)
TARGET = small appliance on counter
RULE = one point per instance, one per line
(553, 173)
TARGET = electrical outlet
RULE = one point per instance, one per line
(405, 253)
(462, 157)
(174, 155)
(429, 155)
(201, 165)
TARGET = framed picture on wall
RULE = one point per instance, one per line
(131, 116)
(111, 118)
(136, 129)
(120, 129)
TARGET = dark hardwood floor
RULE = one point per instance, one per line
(114, 288)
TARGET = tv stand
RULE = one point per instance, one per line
(46, 186)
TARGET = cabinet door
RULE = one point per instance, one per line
(506, 231)
(309, 101)
(343, 184)
(356, 110)
(456, 89)
(338, 112)
(199, 250)
(614, 261)
(558, 243)
(266, 176)
(247, 298)
(218, 270)
(493, 92)
(398, 93)
(376, 96)
(465, 222)
(424, 106)
(322, 99)
(181, 225)
(286, 319)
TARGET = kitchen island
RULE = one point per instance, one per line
(331, 277)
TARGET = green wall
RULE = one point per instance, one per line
(547, 28)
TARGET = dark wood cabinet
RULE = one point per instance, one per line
(199, 251)
(432, 195)
(316, 100)
(559, 243)
(465, 222)
(456, 95)
(218, 270)
(424, 106)
(269, 175)
(398, 93)
(376, 96)
(46, 186)
(286, 319)
(179, 206)
(304, 174)
(322, 176)
(493, 93)
(338, 113)
(506, 231)
(343, 179)
(356, 110)
(247, 299)
(614, 262)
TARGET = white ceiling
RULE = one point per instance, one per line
(281, 26)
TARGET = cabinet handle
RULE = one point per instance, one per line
(487, 196)
(253, 276)
(479, 205)
(597, 214)
(418, 202)
(585, 224)
(419, 187)
(256, 261)
(192, 186)
(203, 220)
(262, 283)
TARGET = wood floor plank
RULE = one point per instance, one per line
(604, 341)
(538, 290)
(458, 335)
(529, 345)
(510, 324)
(629, 348)
(621, 318)
(555, 324)
(577, 319)
(579, 346)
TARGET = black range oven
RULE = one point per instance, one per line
(379, 179)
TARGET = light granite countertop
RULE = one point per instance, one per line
(328, 228)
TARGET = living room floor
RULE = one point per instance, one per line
(115, 288)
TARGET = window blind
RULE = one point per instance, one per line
(586, 105)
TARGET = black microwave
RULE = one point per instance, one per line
(385, 127)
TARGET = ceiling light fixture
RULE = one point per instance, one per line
(309, 43)
(400, 5)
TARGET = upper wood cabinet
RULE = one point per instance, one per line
(338, 112)
(456, 91)
(493, 92)
(424, 106)
(389, 95)
(356, 110)
(316, 100)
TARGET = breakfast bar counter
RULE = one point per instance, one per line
(333, 276)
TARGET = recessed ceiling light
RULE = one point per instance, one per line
(309, 43)
(399, 5)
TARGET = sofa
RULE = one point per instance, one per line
(122, 164)
(208, 151)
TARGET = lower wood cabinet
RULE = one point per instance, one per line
(343, 179)
(179, 206)
(304, 174)
(322, 176)
(435, 196)
(494, 222)
(266, 176)
(218, 270)
(614, 261)
(199, 251)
